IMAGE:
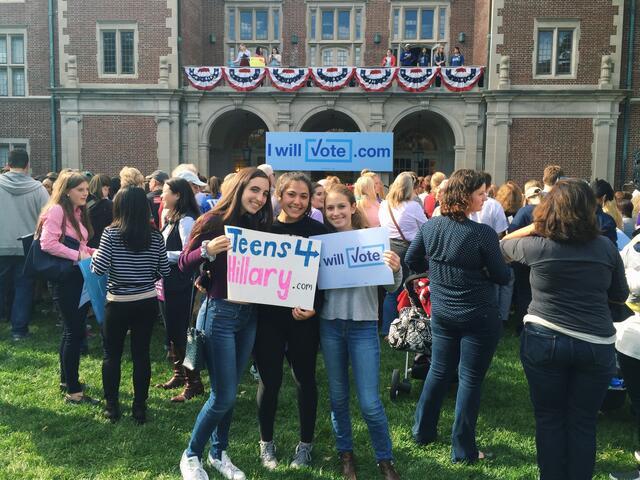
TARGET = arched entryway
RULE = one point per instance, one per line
(331, 121)
(237, 140)
(423, 142)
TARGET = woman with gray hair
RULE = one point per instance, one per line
(403, 217)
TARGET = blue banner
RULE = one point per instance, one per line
(338, 152)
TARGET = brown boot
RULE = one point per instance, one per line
(178, 378)
(192, 388)
(388, 471)
(348, 466)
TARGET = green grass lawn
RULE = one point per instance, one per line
(43, 438)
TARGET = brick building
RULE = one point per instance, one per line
(561, 84)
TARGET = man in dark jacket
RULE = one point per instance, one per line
(22, 199)
(156, 182)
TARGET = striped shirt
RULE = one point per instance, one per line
(131, 274)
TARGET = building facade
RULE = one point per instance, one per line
(560, 84)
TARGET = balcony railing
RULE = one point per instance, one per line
(369, 79)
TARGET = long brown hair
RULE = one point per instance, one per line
(67, 180)
(510, 197)
(285, 180)
(229, 209)
(568, 213)
(358, 221)
(460, 186)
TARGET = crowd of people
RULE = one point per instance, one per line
(547, 255)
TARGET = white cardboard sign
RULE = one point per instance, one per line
(271, 269)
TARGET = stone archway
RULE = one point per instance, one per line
(237, 140)
(424, 143)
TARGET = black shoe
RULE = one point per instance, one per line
(84, 399)
(112, 411)
(63, 387)
(139, 413)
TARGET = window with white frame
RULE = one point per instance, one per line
(9, 144)
(335, 33)
(254, 24)
(13, 63)
(555, 48)
(118, 49)
(423, 23)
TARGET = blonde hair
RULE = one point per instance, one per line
(401, 189)
(131, 177)
(365, 193)
(611, 207)
(184, 167)
(436, 180)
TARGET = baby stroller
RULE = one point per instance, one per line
(411, 332)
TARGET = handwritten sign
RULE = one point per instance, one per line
(271, 269)
(354, 259)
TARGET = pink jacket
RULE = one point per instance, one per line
(52, 232)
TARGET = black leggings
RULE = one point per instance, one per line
(66, 295)
(120, 317)
(631, 373)
(178, 308)
(279, 335)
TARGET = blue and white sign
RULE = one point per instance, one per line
(354, 259)
(329, 151)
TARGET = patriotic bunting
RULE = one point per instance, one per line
(416, 79)
(203, 78)
(461, 79)
(244, 79)
(332, 78)
(375, 79)
(288, 79)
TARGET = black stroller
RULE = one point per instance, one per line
(411, 333)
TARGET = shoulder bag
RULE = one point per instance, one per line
(194, 353)
(39, 263)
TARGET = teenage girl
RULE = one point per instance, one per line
(229, 327)
(293, 333)
(349, 337)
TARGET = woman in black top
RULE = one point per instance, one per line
(293, 333)
(181, 213)
(567, 346)
(100, 207)
(464, 262)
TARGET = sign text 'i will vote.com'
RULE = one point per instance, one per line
(347, 152)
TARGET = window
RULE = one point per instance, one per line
(118, 52)
(555, 49)
(8, 144)
(424, 23)
(256, 25)
(13, 81)
(335, 34)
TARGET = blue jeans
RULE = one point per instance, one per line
(230, 331)
(355, 342)
(11, 275)
(389, 310)
(568, 380)
(468, 346)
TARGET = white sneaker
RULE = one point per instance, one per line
(191, 468)
(268, 455)
(225, 467)
(302, 457)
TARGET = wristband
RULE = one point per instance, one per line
(203, 251)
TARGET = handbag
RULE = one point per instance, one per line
(194, 352)
(39, 263)
(404, 240)
(412, 329)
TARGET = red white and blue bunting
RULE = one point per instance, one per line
(461, 79)
(416, 79)
(375, 79)
(288, 79)
(244, 79)
(332, 78)
(203, 78)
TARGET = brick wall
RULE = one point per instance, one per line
(462, 20)
(112, 142)
(480, 32)
(377, 21)
(191, 32)
(153, 35)
(537, 142)
(213, 14)
(596, 27)
(294, 21)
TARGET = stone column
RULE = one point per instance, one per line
(71, 141)
(377, 123)
(283, 113)
(192, 122)
(497, 138)
(472, 124)
(603, 148)
(163, 137)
